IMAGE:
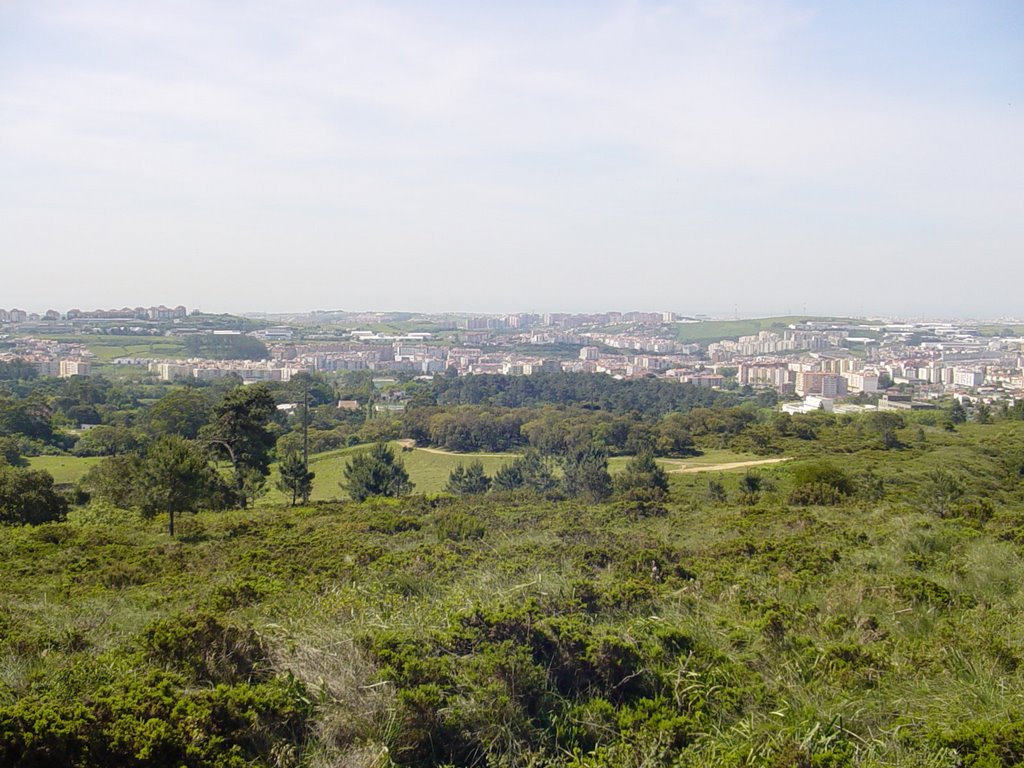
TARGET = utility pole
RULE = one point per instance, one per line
(305, 423)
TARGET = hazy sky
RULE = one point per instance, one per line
(701, 156)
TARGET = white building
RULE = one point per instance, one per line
(968, 377)
(862, 381)
(70, 368)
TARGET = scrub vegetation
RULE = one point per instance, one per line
(859, 604)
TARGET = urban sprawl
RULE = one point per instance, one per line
(834, 365)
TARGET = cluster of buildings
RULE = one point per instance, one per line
(641, 343)
(905, 365)
(899, 365)
(51, 358)
(565, 320)
(249, 371)
(812, 360)
(125, 313)
(772, 342)
(128, 313)
(15, 316)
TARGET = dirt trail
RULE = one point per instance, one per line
(412, 444)
(682, 468)
(721, 467)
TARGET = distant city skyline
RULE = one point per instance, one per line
(722, 157)
(83, 310)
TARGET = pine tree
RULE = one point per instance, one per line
(529, 472)
(176, 477)
(642, 478)
(585, 475)
(468, 481)
(239, 428)
(376, 472)
(508, 477)
(295, 478)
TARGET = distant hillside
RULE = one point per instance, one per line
(716, 330)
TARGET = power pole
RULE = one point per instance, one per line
(305, 423)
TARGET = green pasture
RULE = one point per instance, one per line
(716, 330)
(427, 469)
(108, 348)
(65, 469)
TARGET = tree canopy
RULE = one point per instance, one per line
(28, 496)
(239, 429)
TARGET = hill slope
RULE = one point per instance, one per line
(501, 631)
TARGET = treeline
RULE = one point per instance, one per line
(15, 370)
(46, 415)
(558, 431)
(551, 430)
(586, 390)
(552, 413)
(226, 346)
(201, 453)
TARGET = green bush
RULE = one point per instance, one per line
(459, 526)
(206, 651)
(816, 494)
(153, 720)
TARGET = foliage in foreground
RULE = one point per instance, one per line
(880, 628)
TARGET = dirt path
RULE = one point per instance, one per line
(412, 444)
(682, 468)
(720, 467)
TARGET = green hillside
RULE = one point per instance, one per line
(715, 330)
(108, 348)
(429, 470)
(875, 627)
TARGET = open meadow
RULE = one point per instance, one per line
(65, 469)
(429, 468)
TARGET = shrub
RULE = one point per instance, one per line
(150, 719)
(642, 479)
(205, 650)
(816, 494)
(458, 526)
(823, 473)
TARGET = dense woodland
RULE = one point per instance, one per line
(858, 603)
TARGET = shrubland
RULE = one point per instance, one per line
(857, 604)
(876, 624)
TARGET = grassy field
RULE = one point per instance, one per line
(427, 469)
(107, 348)
(65, 469)
(1001, 330)
(708, 457)
(715, 330)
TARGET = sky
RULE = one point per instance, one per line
(747, 157)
